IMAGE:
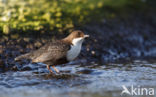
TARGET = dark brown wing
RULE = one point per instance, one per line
(51, 52)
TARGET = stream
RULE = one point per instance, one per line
(79, 80)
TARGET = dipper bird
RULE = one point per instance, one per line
(57, 52)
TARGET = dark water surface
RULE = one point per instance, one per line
(78, 80)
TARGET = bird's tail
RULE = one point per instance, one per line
(25, 56)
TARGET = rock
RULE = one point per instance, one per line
(26, 68)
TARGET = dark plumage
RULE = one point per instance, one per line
(48, 54)
(53, 53)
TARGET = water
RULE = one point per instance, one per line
(78, 80)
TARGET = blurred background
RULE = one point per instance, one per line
(44, 16)
(121, 49)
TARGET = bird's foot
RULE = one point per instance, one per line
(56, 70)
(48, 67)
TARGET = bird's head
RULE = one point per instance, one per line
(76, 37)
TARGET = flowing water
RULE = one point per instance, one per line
(79, 79)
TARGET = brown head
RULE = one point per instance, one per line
(75, 36)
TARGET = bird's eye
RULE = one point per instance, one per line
(79, 34)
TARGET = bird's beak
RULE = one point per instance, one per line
(85, 36)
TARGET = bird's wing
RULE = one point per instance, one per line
(51, 52)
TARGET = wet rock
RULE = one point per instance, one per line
(58, 76)
(85, 71)
(26, 68)
(2, 65)
(15, 68)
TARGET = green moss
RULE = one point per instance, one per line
(60, 15)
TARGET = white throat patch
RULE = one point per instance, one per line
(75, 49)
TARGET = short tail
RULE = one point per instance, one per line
(25, 56)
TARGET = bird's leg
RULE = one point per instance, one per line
(57, 71)
(48, 67)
